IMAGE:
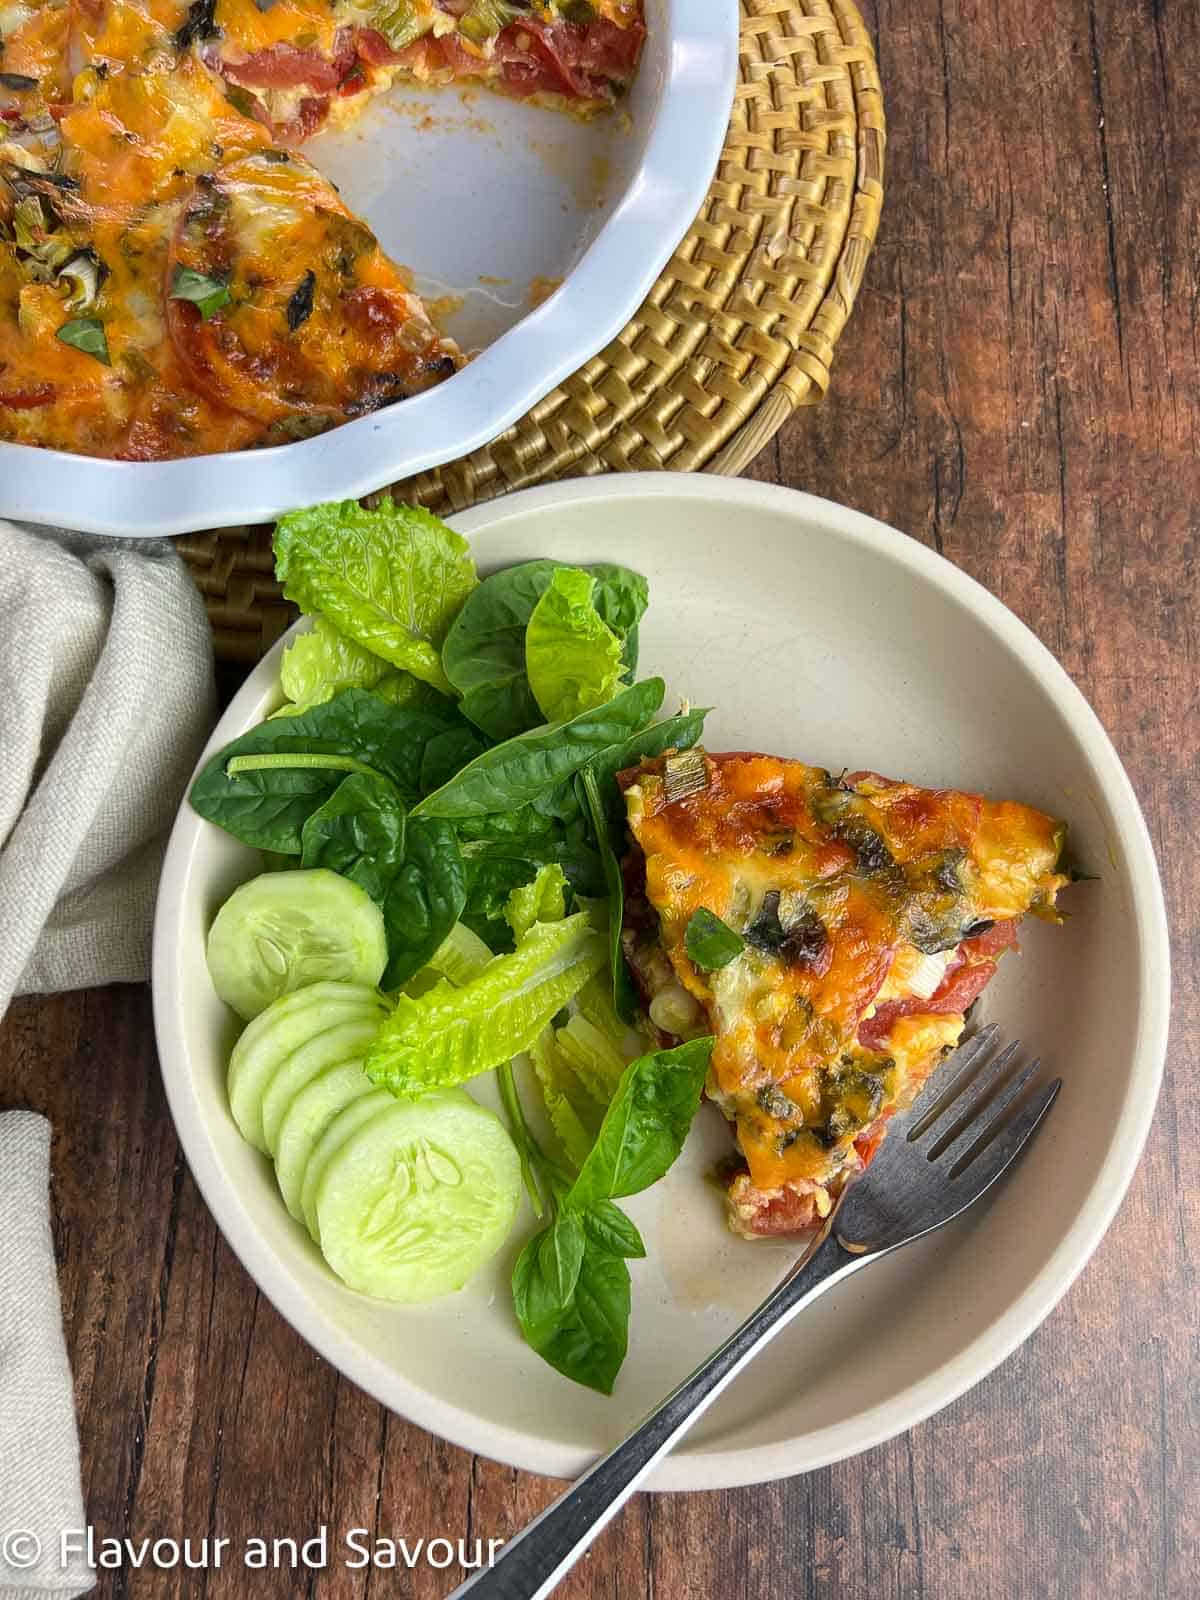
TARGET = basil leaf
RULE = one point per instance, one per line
(624, 990)
(645, 1125)
(300, 305)
(517, 771)
(545, 1277)
(607, 1225)
(392, 579)
(208, 295)
(572, 656)
(86, 334)
(709, 942)
(268, 809)
(585, 1339)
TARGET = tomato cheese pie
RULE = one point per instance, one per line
(175, 278)
(830, 933)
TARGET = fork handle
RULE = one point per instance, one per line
(532, 1563)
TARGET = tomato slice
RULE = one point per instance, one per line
(319, 325)
(286, 66)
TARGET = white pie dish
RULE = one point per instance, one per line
(814, 631)
(470, 191)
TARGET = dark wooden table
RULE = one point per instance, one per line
(1020, 387)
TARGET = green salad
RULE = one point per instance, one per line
(442, 896)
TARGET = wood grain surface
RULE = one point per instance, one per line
(1019, 387)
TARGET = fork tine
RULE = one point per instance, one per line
(965, 1062)
(998, 1146)
(995, 1088)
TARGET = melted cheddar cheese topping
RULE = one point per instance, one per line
(174, 279)
(870, 913)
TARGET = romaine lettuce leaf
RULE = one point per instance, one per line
(392, 580)
(322, 662)
(572, 656)
(597, 1062)
(461, 956)
(574, 1115)
(452, 1034)
(544, 899)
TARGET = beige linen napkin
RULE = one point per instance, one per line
(106, 697)
(39, 1449)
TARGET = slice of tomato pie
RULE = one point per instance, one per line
(862, 917)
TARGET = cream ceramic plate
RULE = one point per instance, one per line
(819, 633)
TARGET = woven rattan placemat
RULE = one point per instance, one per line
(738, 331)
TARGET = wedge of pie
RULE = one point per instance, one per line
(831, 933)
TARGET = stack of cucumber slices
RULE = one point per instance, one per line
(405, 1199)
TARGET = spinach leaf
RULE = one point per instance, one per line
(572, 656)
(392, 579)
(624, 990)
(606, 812)
(269, 808)
(586, 1336)
(645, 1125)
(447, 753)
(709, 942)
(424, 899)
(359, 831)
(621, 597)
(484, 652)
(413, 871)
(513, 773)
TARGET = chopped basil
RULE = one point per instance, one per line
(711, 943)
(300, 306)
(17, 81)
(86, 334)
(199, 24)
(241, 100)
(208, 295)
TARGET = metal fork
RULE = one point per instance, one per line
(976, 1114)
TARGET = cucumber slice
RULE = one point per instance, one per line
(345, 1041)
(306, 1119)
(283, 1027)
(419, 1197)
(284, 930)
(356, 1115)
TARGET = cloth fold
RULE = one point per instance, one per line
(106, 696)
(40, 1497)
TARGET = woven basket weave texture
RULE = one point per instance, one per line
(738, 332)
